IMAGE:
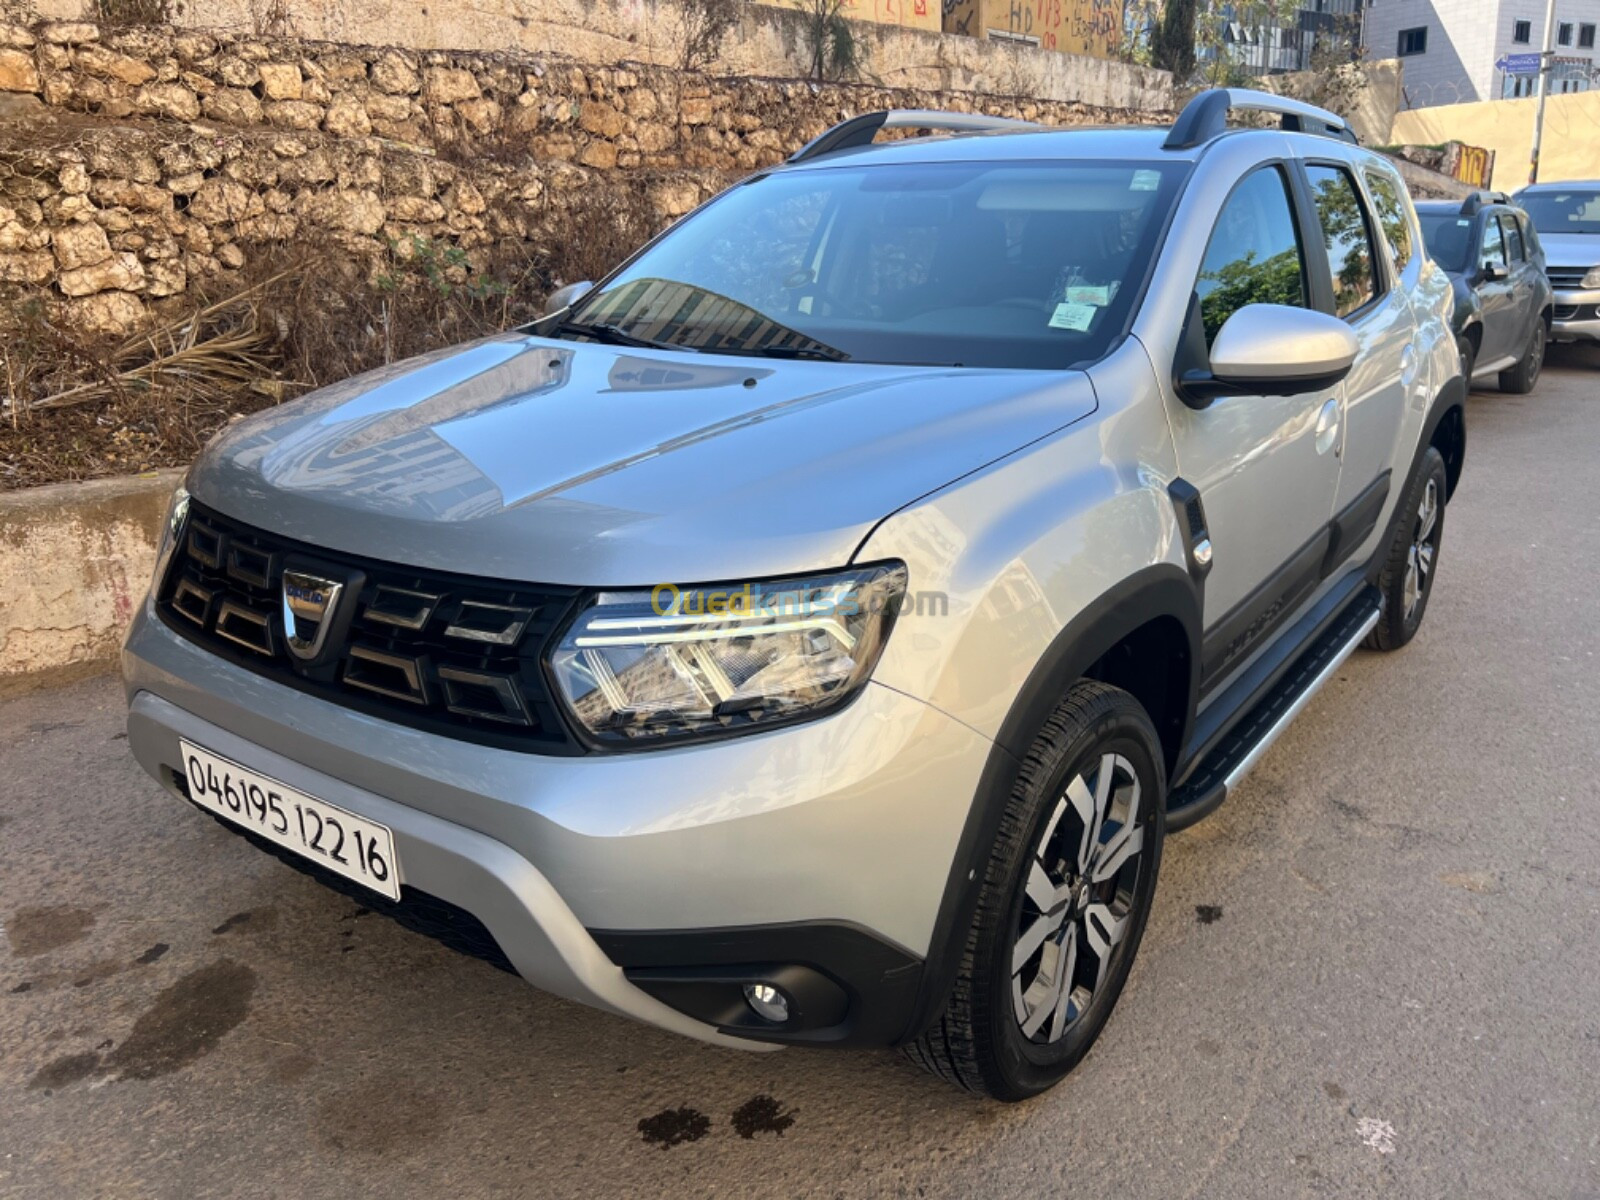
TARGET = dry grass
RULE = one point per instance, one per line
(298, 317)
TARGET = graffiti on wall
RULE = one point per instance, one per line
(915, 14)
(1471, 164)
(1072, 26)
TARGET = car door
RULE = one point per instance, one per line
(1523, 280)
(1366, 249)
(1264, 468)
(1492, 282)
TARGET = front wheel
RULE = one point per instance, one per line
(1406, 581)
(1519, 379)
(1065, 895)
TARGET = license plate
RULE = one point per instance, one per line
(348, 845)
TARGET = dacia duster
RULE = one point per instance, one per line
(808, 634)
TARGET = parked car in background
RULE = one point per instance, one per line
(1567, 216)
(1497, 267)
(808, 634)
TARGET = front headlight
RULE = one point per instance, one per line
(171, 531)
(1592, 279)
(684, 662)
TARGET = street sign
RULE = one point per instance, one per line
(1519, 64)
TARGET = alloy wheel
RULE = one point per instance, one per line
(1424, 547)
(1078, 900)
(1536, 353)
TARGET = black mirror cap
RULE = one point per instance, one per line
(1200, 388)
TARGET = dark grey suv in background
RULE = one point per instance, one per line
(1496, 265)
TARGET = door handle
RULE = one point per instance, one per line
(1328, 426)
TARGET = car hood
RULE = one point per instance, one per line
(531, 459)
(1570, 249)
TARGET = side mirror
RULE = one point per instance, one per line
(1493, 271)
(565, 297)
(1275, 350)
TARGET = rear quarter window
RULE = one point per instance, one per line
(1394, 216)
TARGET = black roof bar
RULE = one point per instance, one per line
(1477, 200)
(1206, 116)
(859, 131)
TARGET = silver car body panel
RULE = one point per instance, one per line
(1015, 549)
(566, 463)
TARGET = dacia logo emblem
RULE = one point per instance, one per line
(310, 603)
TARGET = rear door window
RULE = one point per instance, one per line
(1347, 237)
(1254, 256)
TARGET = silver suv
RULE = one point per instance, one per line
(1567, 216)
(808, 634)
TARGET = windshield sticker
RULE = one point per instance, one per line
(1073, 316)
(1145, 181)
(1099, 296)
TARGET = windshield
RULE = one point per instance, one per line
(1448, 237)
(973, 264)
(1574, 211)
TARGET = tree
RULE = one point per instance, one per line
(1172, 44)
(830, 42)
(1242, 281)
(706, 25)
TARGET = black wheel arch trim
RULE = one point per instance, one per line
(1449, 403)
(1160, 591)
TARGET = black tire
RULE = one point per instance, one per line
(1403, 610)
(1519, 380)
(979, 1043)
(1469, 357)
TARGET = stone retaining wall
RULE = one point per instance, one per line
(768, 40)
(137, 164)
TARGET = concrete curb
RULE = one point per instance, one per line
(75, 560)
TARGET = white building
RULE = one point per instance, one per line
(1450, 47)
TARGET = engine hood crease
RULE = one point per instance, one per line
(527, 458)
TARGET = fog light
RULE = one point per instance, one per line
(768, 1002)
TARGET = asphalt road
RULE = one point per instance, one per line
(1375, 971)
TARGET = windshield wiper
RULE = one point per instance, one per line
(821, 353)
(613, 336)
(827, 353)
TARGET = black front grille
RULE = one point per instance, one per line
(1577, 312)
(449, 653)
(1567, 278)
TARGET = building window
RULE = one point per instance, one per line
(1586, 37)
(1522, 32)
(1413, 41)
(1564, 33)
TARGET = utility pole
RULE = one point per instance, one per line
(1544, 86)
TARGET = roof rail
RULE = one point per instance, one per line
(1206, 116)
(1476, 200)
(859, 131)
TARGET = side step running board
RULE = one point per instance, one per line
(1209, 784)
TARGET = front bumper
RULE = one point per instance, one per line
(1576, 316)
(617, 879)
